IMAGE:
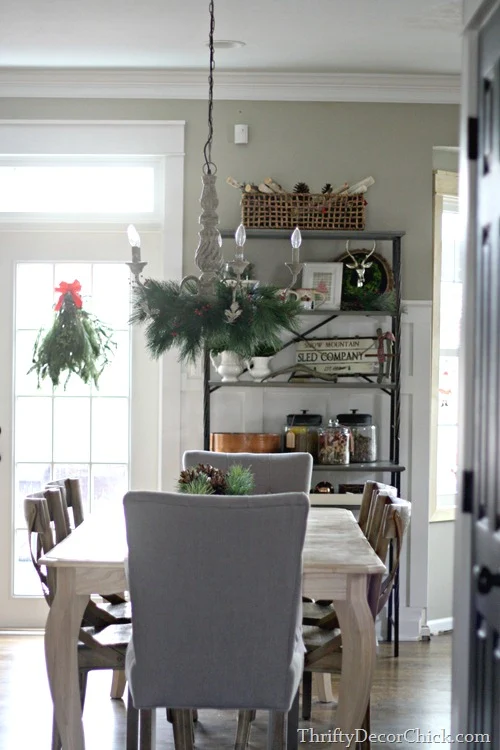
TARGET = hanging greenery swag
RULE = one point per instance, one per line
(77, 342)
(233, 320)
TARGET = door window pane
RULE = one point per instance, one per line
(71, 429)
(110, 430)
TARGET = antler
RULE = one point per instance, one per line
(355, 263)
(364, 264)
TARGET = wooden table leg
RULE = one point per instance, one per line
(358, 656)
(61, 642)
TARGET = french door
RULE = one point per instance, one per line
(97, 434)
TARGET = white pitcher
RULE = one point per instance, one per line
(259, 367)
(229, 365)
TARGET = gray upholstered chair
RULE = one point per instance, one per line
(232, 557)
(273, 472)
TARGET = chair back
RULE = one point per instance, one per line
(366, 501)
(273, 472)
(72, 495)
(396, 515)
(215, 586)
(46, 517)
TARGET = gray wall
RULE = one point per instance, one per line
(316, 142)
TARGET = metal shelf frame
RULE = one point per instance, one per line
(392, 388)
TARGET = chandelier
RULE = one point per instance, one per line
(167, 308)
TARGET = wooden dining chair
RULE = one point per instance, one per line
(112, 609)
(101, 646)
(389, 519)
(321, 613)
(115, 605)
(216, 551)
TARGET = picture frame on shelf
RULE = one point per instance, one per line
(327, 279)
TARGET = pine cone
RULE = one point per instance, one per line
(217, 478)
(188, 475)
(301, 187)
(326, 188)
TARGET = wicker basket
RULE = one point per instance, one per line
(305, 210)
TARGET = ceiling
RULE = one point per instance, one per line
(303, 36)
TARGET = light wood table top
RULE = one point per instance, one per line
(334, 543)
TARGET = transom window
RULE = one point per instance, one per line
(81, 187)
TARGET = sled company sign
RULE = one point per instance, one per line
(346, 356)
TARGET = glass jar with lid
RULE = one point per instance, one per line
(301, 433)
(364, 436)
(333, 443)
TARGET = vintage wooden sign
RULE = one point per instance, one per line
(358, 355)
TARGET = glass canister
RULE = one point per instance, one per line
(301, 433)
(364, 436)
(333, 443)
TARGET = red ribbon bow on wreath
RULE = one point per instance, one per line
(73, 289)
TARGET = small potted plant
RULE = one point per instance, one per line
(204, 479)
(259, 364)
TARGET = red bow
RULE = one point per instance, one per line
(381, 356)
(73, 289)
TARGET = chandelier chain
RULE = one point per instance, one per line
(207, 151)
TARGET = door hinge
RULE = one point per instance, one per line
(467, 492)
(472, 138)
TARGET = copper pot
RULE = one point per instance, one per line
(245, 442)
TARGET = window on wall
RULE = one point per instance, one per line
(79, 430)
(447, 313)
(102, 188)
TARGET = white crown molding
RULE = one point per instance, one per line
(236, 85)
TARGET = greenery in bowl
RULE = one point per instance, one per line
(264, 350)
(207, 480)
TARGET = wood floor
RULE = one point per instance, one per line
(413, 691)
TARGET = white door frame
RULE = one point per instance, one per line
(162, 138)
(475, 15)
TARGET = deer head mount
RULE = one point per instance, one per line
(359, 266)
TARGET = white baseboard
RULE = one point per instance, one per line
(410, 624)
(440, 625)
(22, 631)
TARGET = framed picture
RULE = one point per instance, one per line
(327, 279)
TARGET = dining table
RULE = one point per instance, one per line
(337, 561)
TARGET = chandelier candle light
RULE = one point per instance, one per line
(207, 312)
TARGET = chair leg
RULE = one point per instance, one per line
(118, 684)
(306, 695)
(147, 729)
(182, 721)
(277, 730)
(132, 724)
(245, 719)
(194, 712)
(292, 742)
(56, 738)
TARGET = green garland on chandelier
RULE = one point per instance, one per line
(77, 342)
(233, 320)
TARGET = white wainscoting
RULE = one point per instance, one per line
(261, 410)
